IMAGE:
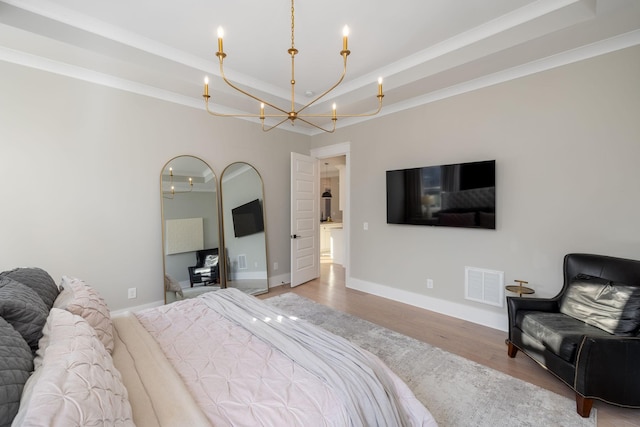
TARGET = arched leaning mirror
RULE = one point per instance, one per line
(190, 228)
(244, 228)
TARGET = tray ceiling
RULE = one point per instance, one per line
(424, 49)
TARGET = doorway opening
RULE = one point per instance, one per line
(334, 168)
(332, 207)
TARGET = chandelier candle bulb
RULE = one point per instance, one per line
(380, 87)
(262, 110)
(220, 36)
(206, 86)
(334, 116)
(345, 37)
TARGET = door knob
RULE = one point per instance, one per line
(294, 236)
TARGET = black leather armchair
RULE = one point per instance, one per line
(593, 362)
(206, 270)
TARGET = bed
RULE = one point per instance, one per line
(224, 358)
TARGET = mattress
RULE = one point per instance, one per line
(226, 358)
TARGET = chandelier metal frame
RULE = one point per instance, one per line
(292, 114)
(170, 194)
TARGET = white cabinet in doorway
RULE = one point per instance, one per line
(326, 247)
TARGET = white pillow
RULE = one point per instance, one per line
(79, 298)
(211, 261)
(75, 381)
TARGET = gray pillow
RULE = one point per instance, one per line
(613, 307)
(23, 309)
(16, 364)
(38, 280)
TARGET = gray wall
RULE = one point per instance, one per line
(567, 147)
(238, 189)
(192, 205)
(82, 164)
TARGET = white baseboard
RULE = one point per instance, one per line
(279, 280)
(276, 285)
(248, 275)
(459, 311)
(136, 308)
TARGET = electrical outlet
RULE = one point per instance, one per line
(275, 265)
(365, 226)
(429, 283)
(132, 293)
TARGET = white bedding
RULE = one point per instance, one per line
(224, 359)
(157, 394)
(239, 379)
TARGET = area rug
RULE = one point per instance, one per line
(457, 391)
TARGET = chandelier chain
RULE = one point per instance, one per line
(292, 26)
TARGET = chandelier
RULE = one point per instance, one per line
(291, 114)
(172, 189)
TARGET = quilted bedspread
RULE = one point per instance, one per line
(239, 378)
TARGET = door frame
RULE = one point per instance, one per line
(342, 149)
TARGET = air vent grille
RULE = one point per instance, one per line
(485, 286)
(242, 262)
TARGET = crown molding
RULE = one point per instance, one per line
(558, 60)
(603, 47)
(581, 9)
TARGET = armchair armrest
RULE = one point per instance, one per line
(609, 368)
(515, 304)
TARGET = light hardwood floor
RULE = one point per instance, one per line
(479, 343)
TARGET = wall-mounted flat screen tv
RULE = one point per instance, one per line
(456, 195)
(248, 219)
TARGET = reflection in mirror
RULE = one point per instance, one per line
(244, 232)
(190, 235)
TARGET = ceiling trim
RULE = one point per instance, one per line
(100, 28)
(499, 25)
(49, 10)
(504, 23)
(558, 60)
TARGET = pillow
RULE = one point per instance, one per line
(613, 307)
(23, 309)
(38, 280)
(79, 298)
(75, 382)
(211, 261)
(170, 284)
(16, 364)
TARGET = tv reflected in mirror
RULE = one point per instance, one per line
(248, 219)
(455, 195)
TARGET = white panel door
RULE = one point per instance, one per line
(305, 219)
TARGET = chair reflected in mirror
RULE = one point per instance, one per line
(206, 271)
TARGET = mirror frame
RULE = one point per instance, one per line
(221, 252)
(225, 239)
